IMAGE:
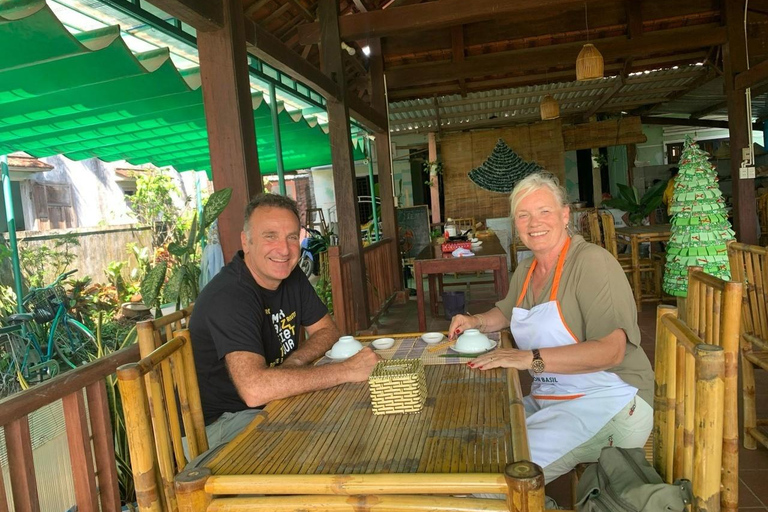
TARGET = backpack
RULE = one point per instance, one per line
(622, 480)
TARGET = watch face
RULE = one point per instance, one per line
(537, 366)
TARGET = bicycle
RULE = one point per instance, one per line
(67, 338)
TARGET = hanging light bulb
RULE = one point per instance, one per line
(550, 109)
(589, 63)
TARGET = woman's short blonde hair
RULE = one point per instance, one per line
(534, 182)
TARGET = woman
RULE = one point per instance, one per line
(574, 321)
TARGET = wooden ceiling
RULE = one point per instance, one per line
(444, 47)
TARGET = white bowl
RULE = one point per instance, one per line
(477, 244)
(430, 338)
(347, 346)
(472, 340)
(383, 343)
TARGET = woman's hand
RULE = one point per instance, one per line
(461, 323)
(503, 358)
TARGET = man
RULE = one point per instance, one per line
(669, 192)
(246, 321)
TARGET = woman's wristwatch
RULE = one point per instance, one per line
(537, 365)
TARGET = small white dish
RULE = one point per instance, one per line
(347, 346)
(330, 356)
(473, 240)
(383, 343)
(430, 338)
(452, 346)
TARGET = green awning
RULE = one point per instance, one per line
(87, 95)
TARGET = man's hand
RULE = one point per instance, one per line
(361, 364)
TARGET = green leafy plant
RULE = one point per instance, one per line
(181, 284)
(153, 205)
(637, 207)
(41, 264)
(432, 169)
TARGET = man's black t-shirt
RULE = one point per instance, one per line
(233, 313)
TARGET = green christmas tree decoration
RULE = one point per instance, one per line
(700, 227)
(502, 170)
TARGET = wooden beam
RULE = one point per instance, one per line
(735, 61)
(343, 160)
(275, 14)
(679, 121)
(614, 132)
(255, 6)
(426, 16)
(633, 11)
(389, 228)
(360, 5)
(457, 44)
(229, 120)
(303, 10)
(614, 48)
(203, 15)
(753, 77)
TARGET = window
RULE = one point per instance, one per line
(53, 206)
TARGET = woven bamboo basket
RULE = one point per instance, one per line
(589, 63)
(398, 386)
(550, 109)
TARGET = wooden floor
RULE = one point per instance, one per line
(753, 465)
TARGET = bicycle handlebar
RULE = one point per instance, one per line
(59, 279)
(63, 276)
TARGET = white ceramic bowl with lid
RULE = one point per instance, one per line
(472, 340)
(347, 346)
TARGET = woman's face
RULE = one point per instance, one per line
(541, 221)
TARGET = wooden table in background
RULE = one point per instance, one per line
(434, 263)
(635, 235)
(326, 446)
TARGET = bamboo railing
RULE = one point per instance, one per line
(91, 453)
(383, 282)
(89, 431)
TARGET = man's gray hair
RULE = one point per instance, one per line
(534, 182)
(268, 200)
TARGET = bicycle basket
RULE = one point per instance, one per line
(44, 304)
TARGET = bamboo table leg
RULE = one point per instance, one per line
(418, 276)
(636, 272)
(525, 481)
(190, 490)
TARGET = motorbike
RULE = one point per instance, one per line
(311, 247)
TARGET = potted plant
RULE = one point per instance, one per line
(637, 208)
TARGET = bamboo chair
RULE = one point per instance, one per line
(712, 317)
(593, 233)
(749, 265)
(463, 224)
(650, 268)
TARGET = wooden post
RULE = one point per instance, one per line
(338, 291)
(81, 457)
(729, 340)
(343, 160)
(141, 442)
(190, 490)
(708, 433)
(525, 482)
(434, 186)
(21, 466)
(734, 62)
(103, 445)
(389, 228)
(229, 120)
(664, 396)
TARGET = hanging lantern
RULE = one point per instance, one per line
(589, 63)
(550, 109)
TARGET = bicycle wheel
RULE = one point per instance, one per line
(73, 342)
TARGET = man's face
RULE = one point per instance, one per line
(272, 248)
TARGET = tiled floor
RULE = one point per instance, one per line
(753, 465)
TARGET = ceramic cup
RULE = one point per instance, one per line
(347, 346)
(472, 340)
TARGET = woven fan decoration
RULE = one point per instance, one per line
(700, 227)
(502, 170)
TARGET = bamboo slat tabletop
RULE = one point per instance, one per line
(464, 428)
(413, 347)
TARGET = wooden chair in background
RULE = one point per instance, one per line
(593, 233)
(749, 266)
(713, 316)
(160, 395)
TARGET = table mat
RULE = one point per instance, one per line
(416, 348)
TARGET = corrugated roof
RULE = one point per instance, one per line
(521, 104)
(105, 101)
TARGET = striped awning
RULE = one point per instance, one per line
(87, 95)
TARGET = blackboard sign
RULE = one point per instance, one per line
(413, 227)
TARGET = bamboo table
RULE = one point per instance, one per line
(433, 263)
(326, 450)
(635, 235)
